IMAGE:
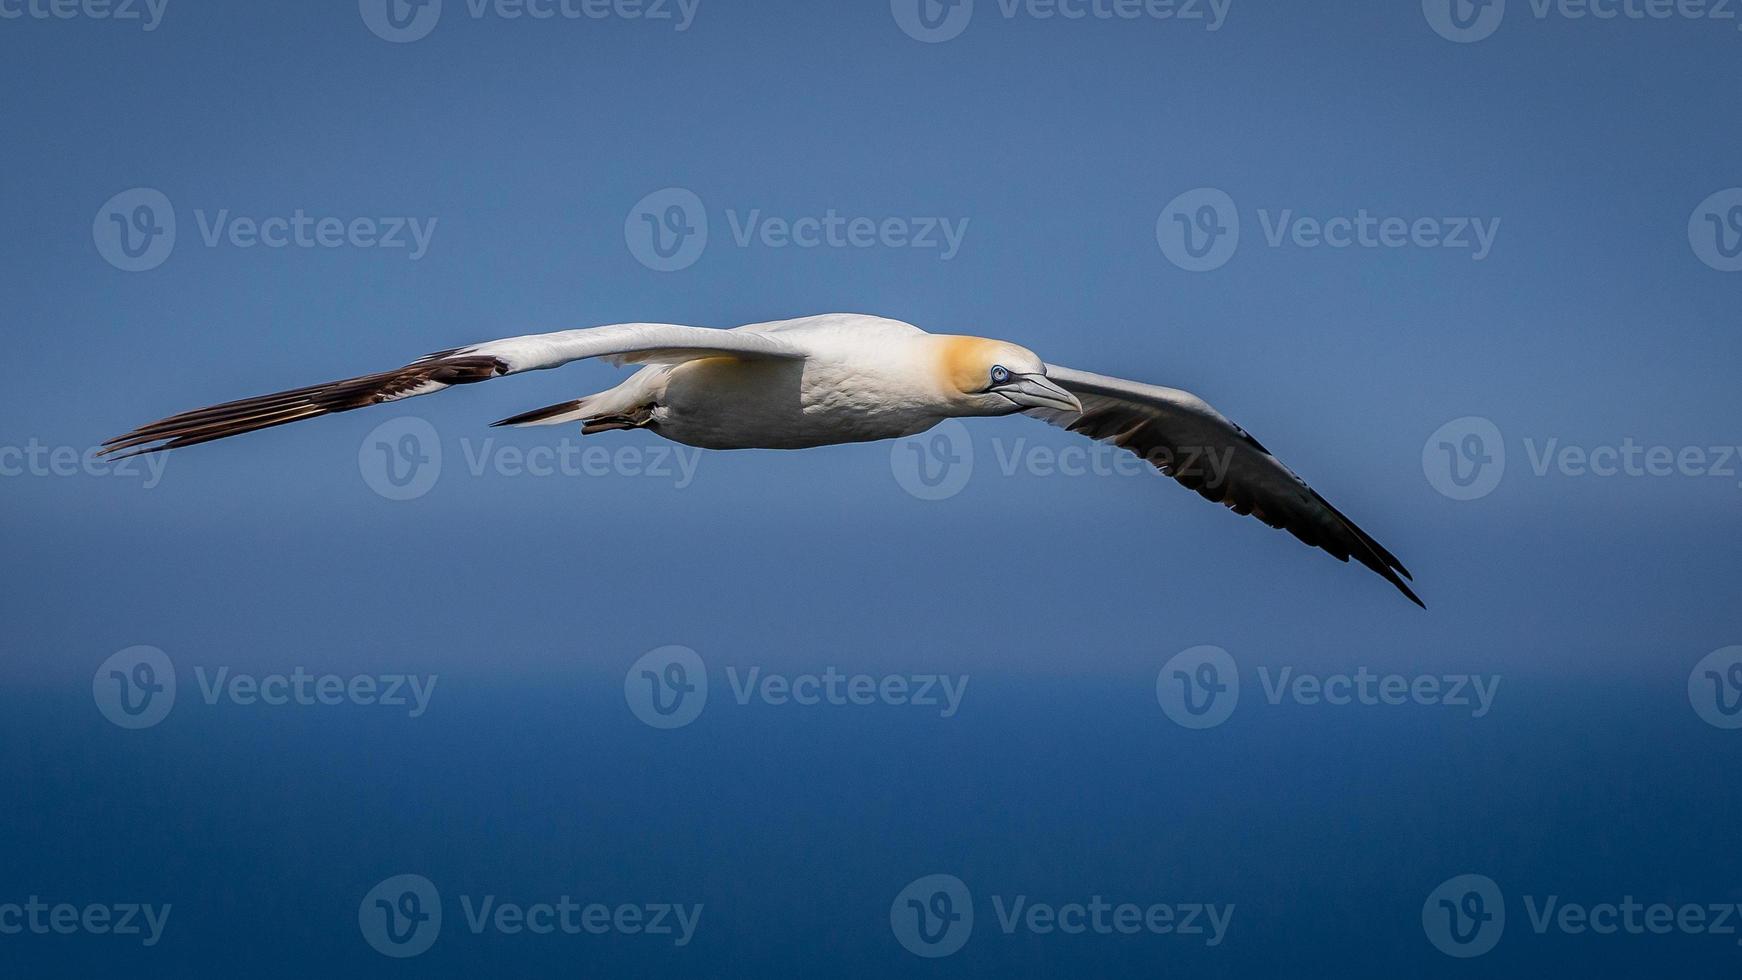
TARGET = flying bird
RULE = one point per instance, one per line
(825, 380)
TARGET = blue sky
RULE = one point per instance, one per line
(1022, 176)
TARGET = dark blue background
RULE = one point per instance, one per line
(1592, 322)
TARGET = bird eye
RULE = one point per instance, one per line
(1000, 374)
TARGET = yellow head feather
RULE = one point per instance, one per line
(966, 361)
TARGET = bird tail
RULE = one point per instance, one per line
(568, 411)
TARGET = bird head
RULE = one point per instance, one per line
(991, 377)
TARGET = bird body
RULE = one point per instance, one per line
(827, 380)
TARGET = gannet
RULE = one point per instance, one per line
(826, 380)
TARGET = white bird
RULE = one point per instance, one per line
(825, 380)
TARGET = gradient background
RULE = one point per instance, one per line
(1593, 321)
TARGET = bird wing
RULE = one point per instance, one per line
(1183, 437)
(623, 343)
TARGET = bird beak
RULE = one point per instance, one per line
(1035, 391)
